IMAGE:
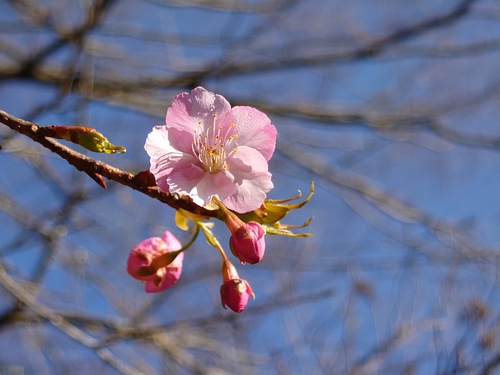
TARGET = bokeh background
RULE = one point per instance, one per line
(391, 107)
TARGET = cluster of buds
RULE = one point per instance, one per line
(158, 261)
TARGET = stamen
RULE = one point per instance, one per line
(210, 146)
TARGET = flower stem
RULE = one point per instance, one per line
(211, 239)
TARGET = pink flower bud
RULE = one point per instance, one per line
(234, 292)
(144, 259)
(247, 243)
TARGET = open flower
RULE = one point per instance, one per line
(209, 149)
(141, 260)
(234, 292)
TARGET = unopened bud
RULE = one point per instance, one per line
(234, 292)
(147, 260)
(247, 243)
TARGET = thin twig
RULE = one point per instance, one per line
(96, 169)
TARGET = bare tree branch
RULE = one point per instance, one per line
(95, 169)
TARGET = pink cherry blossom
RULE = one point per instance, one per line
(209, 149)
(146, 252)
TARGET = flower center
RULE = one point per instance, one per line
(210, 147)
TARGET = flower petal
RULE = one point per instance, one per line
(163, 156)
(142, 255)
(171, 241)
(187, 178)
(220, 184)
(254, 130)
(192, 111)
(251, 179)
(165, 277)
(184, 177)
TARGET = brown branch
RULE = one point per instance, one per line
(96, 169)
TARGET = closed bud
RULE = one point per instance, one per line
(234, 292)
(247, 243)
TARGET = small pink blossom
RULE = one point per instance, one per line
(247, 243)
(234, 292)
(209, 149)
(142, 256)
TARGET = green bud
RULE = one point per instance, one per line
(89, 138)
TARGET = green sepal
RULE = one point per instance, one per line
(284, 229)
(209, 236)
(273, 210)
(182, 218)
(284, 232)
(181, 221)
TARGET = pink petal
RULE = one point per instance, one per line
(192, 111)
(247, 162)
(151, 287)
(143, 254)
(151, 245)
(157, 142)
(173, 165)
(163, 156)
(220, 184)
(184, 177)
(187, 178)
(251, 178)
(250, 194)
(171, 241)
(254, 130)
(165, 278)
